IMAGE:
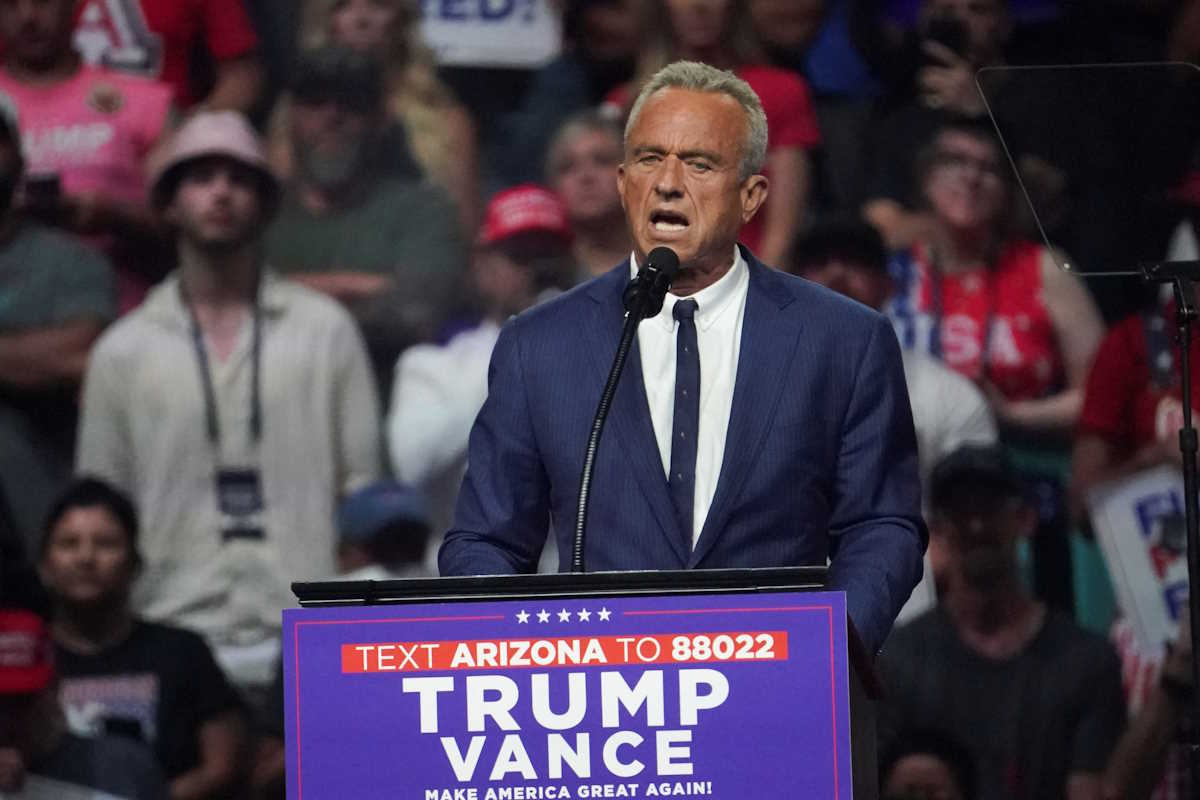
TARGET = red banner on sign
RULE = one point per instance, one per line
(690, 648)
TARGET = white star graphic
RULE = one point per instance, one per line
(585, 615)
(604, 614)
(564, 616)
(523, 616)
(543, 616)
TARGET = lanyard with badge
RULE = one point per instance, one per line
(238, 488)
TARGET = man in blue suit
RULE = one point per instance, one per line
(761, 421)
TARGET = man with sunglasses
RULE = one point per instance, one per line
(354, 223)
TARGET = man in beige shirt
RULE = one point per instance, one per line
(233, 406)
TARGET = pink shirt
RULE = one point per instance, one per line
(94, 131)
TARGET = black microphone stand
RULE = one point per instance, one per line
(643, 298)
(1182, 275)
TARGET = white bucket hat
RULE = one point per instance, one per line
(206, 134)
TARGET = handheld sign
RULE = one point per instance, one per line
(1140, 526)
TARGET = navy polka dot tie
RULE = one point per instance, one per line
(687, 419)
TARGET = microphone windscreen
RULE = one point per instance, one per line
(664, 260)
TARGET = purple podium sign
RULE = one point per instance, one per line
(723, 696)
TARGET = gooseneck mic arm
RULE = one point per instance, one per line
(643, 298)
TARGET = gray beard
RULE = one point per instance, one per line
(332, 172)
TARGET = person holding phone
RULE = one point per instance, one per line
(86, 134)
(955, 38)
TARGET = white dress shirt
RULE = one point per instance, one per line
(720, 309)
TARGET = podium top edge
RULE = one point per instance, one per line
(500, 587)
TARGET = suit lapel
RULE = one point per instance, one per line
(630, 428)
(769, 338)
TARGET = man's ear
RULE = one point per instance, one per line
(754, 194)
(621, 183)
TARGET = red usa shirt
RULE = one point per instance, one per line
(989, 323)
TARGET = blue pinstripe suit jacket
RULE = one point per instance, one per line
(820, 459)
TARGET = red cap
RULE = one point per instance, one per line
(527, 208)
(26, 653)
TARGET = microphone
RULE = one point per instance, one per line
(643, 298)
(644, 295)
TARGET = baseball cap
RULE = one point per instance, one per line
(373, 508)
(206, 134)
(528, 208)
(974, 466)
(352, 79)
(26, 653)
(842, 239)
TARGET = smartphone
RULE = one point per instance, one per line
(43, 193)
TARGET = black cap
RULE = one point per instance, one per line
(841, 239)
(336, 73)
(974, 467)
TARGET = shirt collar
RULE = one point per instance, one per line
(165, 303)
(711, 301)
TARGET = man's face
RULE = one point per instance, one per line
(585, 176)
(217, 205)
(966, 186)
(610, 32)
(921, 777)
(868, 286)
(88, 558)
(37, 32)
(680, 183)
(698, 24)
(986, 22)
(787, 24)
(330, 139)
(506, 285)
(978, 533)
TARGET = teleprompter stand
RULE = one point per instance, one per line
(1183, 277)
(1117, 140)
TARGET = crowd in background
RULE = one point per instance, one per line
(254, 256)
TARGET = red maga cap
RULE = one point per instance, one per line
(527, 208)
(26, 653)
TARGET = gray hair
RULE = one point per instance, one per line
(697, 77)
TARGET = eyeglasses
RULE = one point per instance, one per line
(960, 163)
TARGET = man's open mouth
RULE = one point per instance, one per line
(668, 221)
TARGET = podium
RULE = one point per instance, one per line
(744, 683)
